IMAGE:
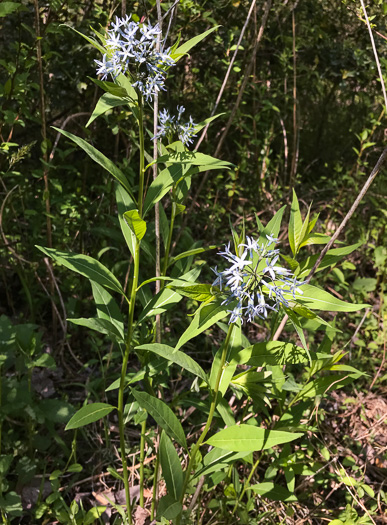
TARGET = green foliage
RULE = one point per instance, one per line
(321, 136)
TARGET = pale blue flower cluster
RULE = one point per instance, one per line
(255, 280)
(130, 45)
(170, 125)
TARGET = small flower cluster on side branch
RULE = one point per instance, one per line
(255, 280)
(170, 125)
(132, 46)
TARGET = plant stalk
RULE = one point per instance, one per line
(169, 241)
(142, 457)
(132, 303)
(155, 482)
(210, 416)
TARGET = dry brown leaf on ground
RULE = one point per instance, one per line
(140, 516)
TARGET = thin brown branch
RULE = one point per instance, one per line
(204, 132)
(231, 118)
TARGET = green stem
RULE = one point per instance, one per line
(1, 419)
(120, 407)
(246, 484)
(142, 150)
(210, 416)
(142, 457)
(155, 481)
(169, 241)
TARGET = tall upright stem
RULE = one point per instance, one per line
(169, 241)
(142, 150)
(210, 415)
(132, 303)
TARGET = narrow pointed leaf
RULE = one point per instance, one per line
(91, 41)
(171, 467)
(187, 46)
(318, 299)
(177, 357)
(198, 292)
(205, 318)
(295, 225)
(89, 414)
(240, 438)
(99, 158)
(162, 414)
(168, 508)
(106, 102)
(124, 204)
(315, 238)
(85, 265)
(275, 353)
(272, 227)
(188, 253)
(160, 303)
(204, 123)
(103, 326)
(332, 257)
(107, 308)
(110, 87)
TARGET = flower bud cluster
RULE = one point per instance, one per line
(255, 280)
(170, 125)
(133, 45)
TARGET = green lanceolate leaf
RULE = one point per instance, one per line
(295, 225)
(124, 204)
(243, 438)
(204, 318)
(135, 223)
(110, 87)
(171, 467)
(217, 458)
(162, 184)
(89, 414)
(187, 46)
(273, 492)
(160, 303)
(91, 41)
(162, 414)
(332, 257)
(103, 326)
(304, 229)
(322, 385)
(204, 123)
(99, 158)
(86, 266)
(177, 357)
(272, 227)
(154, 279)
(194, 158)
(168, 508)
(106, 102)
(318, 299)
(107, 308)
(198, 292)
(235, 344)
(189, 253)
(315, 238)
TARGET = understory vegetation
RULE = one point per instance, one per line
(193, 262)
